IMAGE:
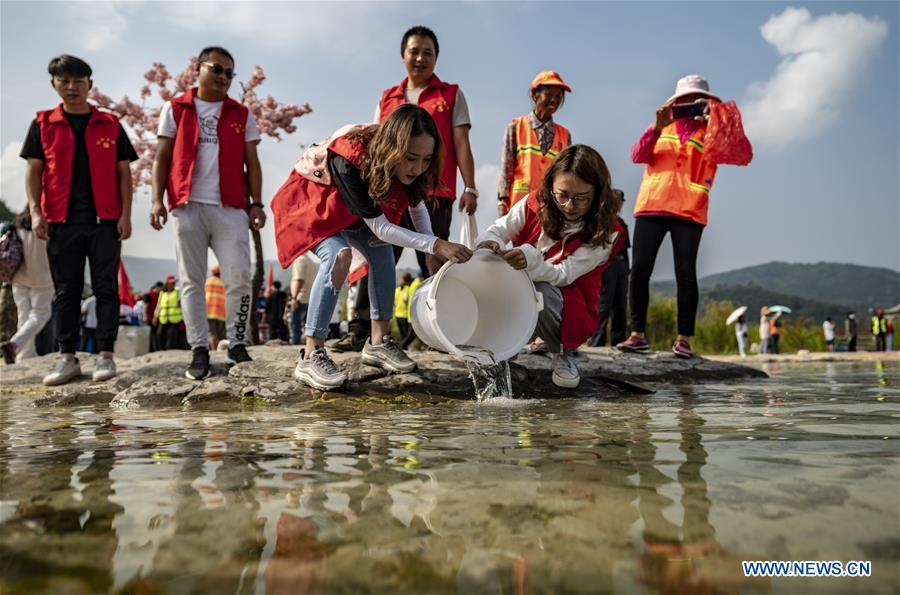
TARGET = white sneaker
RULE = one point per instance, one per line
(104, 369)
(319, 370)
(565, 372)
(64, 371)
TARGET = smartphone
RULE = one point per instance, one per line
(681, 111)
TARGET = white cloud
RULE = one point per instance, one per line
(12, 177)
(824, 62)
(101, 26)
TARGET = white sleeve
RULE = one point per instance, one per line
(252, 133)
(377, 117)
(506, 227)
(421, 219)
(584, 260)
(386, 231)
(167, 126)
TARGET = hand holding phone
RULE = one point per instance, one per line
(681, 111)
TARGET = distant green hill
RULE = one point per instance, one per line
(755, 298)
(845, 284)
(818, 287)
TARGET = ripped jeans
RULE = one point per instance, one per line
(323, 297)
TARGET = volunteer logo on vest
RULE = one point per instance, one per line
(105, 142)
(240, 328)
(238, 128)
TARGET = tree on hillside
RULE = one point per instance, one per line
(272, 118)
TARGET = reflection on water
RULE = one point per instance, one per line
(660, 494)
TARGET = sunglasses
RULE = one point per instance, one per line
(219, 70)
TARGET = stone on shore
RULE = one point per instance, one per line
(157, 379)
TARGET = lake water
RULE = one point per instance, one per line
(662, 493)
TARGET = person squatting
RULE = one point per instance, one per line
(368, 188)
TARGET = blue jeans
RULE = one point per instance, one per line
(323, 296)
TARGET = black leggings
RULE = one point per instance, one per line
(649, 233)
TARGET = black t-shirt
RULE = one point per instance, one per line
(81, 198)
(352, 187)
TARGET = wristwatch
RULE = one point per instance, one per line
(471, 190)
(257, 204)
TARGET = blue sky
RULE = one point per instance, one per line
(819, 84)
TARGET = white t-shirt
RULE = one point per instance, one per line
(205, 180)
(89, 311)
(828, 327)
(460, 107)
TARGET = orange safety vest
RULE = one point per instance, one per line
(677, 179)
(215, 298)
(531, 164)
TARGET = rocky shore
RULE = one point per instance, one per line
(803, 357)
(157, 379)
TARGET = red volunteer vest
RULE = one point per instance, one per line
(580, 314)
(306, 212)
(231, 134)
(58, 142)
(438, 99)
(678, 179)
(531, 164)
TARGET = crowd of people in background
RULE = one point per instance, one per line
(375, 189)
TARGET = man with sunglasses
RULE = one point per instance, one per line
(206, 163)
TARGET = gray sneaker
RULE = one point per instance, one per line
(389, 356)
(104, 369)
(565, 372)
(63, 372)
(319, 371)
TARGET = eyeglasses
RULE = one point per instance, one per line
(219, 70)
(563, 199)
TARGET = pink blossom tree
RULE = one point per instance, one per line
(272, 118)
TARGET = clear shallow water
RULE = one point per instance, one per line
(666, 493)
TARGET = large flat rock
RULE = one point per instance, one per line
(157, 379)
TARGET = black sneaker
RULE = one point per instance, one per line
(349, 342)
(199, 368)
(9, 352)
(238, 354)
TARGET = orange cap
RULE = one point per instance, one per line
(549, 78)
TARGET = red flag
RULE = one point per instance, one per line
(270, 282)
(125, 296)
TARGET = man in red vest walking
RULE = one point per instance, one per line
(206, 163)
(447, 105)
(79, 189)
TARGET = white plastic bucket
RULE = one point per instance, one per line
(482, 303)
